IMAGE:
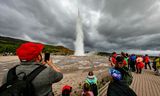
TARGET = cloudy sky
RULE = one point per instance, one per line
(107, 24)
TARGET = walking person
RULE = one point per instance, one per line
(125, 59)
(157, 66)
(132, 62)
(154, 64)
(147, 61)
(139, 64)
(113, 59)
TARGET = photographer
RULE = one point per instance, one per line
(30, 55)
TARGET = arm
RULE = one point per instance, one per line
(55, 74)
(53, 66)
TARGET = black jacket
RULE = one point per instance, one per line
(119, 88)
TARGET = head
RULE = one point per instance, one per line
(90, 75)
(123, 54)
(132, 54)
(119, 61)
(114, 54)
(127, 54)
(146, 55)
(66, 90)
(115, 74)
(30, 52)
(156, 57)
(139, 59)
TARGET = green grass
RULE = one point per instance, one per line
(10, 45)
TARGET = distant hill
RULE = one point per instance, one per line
(9, 45)
(104, 54)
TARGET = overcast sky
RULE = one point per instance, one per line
(107, 24)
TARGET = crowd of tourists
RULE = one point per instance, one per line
(137, 63)
(121, 67)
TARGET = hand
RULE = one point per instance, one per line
(49, 62)
(53, 66)
(43, 62)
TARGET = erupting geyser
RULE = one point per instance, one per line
(79, 43)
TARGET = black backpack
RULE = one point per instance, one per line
(16, 86)
(119, 88)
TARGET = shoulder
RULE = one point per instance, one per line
(26, 68)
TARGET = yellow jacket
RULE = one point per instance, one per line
(158, 62)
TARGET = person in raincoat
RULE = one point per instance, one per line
(139, 64)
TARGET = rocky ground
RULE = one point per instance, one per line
(75, 69)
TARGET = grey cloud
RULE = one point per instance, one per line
(120, 8)
(107, 24)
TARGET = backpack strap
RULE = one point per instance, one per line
(35, 72)
(11, 76)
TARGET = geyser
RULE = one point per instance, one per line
(79, 43)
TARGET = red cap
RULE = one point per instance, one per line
(29, 50)
(67, 87)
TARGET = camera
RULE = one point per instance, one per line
(46, 56)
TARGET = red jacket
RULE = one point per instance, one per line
(114, 60)
(140, 64)
(146, 59)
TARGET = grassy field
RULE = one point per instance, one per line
(9, 45)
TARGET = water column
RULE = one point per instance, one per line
(79, 43)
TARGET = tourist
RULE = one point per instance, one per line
(147, 61)
(125, 62)
(66, 90)
(86, 90)
(157, 66)
(139, 64)
(132, 62)
(118, 86)
(113, 59)
(154, 64)
(92, 81)
(126, 74)
(30, 55)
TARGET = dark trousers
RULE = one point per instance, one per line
(148, 65)
(132, 66)
(154, 66)
(139, 70)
